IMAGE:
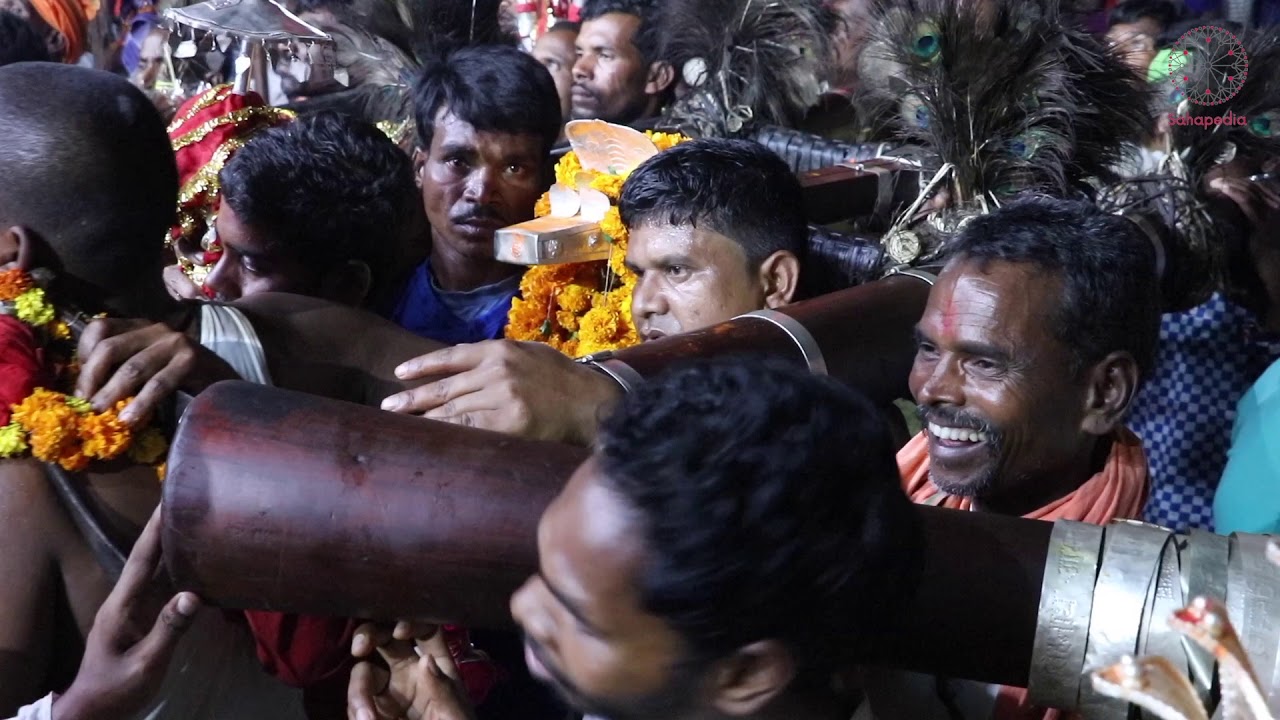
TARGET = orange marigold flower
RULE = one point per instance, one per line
(567, 320)
(149, 447)
(103, 435)
(665, 141)
(13, 283)
(574, 298)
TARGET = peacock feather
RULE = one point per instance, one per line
(1006, 92)
(744, 63)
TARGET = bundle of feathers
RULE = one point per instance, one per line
(742, 64)
(1205, 249)
(1007, 95)
(384, 44)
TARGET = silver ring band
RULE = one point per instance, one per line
(1126, 579)
(799, 334)
(1062, 625)
(607, 363)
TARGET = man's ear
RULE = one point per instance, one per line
(1112, 385)
(16, 248)
(349, 284)
(754, 676)
(419, 165)
(661, 76)
(780, 278)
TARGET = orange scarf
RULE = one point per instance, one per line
(1118, 491)
(71, 18)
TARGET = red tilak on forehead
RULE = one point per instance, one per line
(949, 314)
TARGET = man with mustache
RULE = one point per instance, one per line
(487, 117)
(1034, 342)
(717, 229)
(618, 76)
(734, 542)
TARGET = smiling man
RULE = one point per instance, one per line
(717, 229)
(1032, 346)
(618, 76)
(487, 117)
(1031, 349)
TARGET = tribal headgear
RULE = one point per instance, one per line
(1172, 205)
(744, 63)
(382, 45)
(1001, 97)
(208, 129)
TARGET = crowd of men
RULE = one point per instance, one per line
(742, 533)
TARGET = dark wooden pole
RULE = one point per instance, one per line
(283, 501)
(865, 333)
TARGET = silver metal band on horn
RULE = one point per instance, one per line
(799, 334)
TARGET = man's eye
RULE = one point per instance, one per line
(457, 164)
(515, 169)
(925, 348)
(677, 271)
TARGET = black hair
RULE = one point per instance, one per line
(737, 188)
(493, 88)
(1107, 266)
(567, 26)
(86, 164)
(646, 39)
(19, 41)
(770, 506)
(328, 189)
(1164, 12)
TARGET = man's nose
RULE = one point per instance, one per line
(481, 186)
(222, 281)
(943, 385)
(583, 68)
(646, 300)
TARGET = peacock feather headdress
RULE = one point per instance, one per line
(1000, 98)
(744, 63)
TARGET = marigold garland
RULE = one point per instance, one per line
(582, 308)
(56, 427)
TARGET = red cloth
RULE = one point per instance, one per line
(22, 367)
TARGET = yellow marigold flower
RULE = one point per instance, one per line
(612, 225)
(149, 447)
(33, 309)
(665, 141)
(14, 283)
(610, 185)
(161, 470)
(542, 208)
(104, 436)
(567, 320)
(574, 298)
(61, 331)
(567, 169)
(13, 440)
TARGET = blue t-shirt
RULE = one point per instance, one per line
(1248, 498)
(454, 317)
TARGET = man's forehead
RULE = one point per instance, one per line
(451, 130)
(651, 241)
(1012, 297)
(612, 29)
(588, 544)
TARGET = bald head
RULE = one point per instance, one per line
(86, 169)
